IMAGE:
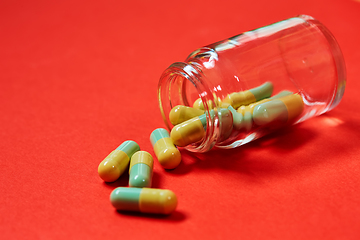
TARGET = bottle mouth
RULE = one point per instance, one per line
(182, 84)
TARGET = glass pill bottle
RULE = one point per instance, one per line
(253, 83)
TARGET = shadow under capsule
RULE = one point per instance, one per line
(122, 181)
(175, 216)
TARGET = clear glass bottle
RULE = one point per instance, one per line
(298, 55)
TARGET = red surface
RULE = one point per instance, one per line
(78, 78)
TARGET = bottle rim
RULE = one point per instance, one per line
(176, 76)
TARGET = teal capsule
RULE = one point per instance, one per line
(141, 169)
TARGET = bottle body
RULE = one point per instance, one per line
(298, 55)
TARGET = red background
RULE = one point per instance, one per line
(77, 78)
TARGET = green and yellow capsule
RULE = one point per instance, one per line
(238, 99)
(167, 154)
(243, 119)
(284, 110)
(250, 108)
(180, 113)
(115, 164)
(145, 200)
(188, 132)
(193, 130)
(141, 169)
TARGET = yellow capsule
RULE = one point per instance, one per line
(283, 110)
(189, 132)
(167, 154)
(237, 99)
(182, 113)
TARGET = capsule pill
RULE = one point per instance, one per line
(181, 113)
(188, 132)
(238, 99)
(167, 154)
(250, 107)
(198, 104)
(145, 200)
(111, 168)
(141, 169)
(283, 110)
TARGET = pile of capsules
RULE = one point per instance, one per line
(240, 110)
(139, 196)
